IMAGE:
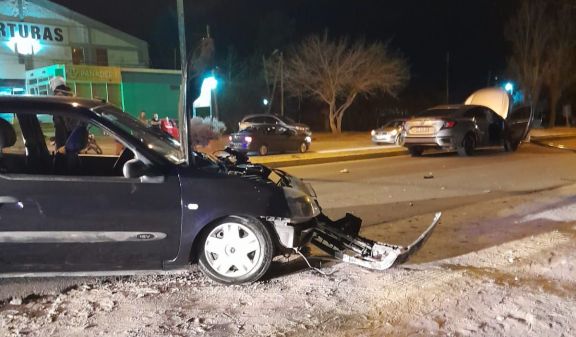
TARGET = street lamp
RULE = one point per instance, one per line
(509, 87)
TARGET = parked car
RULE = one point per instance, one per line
(389, 133)
(486, 119)
(269, 138)
(270, 119)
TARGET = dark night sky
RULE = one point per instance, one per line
(423, 31)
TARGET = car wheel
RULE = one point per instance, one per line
(303, 147)
(467, 146)
(415, 151)
(236, 250)
(263, 150)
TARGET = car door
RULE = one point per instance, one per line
(86, 222)
(482, 125)
(518, 124)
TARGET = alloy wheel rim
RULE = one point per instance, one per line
(232, 250)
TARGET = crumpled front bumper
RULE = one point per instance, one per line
(341, 240)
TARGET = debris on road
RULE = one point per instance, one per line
(344, 171)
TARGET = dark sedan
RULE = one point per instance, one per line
(63, 211)
(268, 138)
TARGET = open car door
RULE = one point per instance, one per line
(517, 125)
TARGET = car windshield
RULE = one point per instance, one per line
(154, 140)
(437, 112)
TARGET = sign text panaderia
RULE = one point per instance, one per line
(25, 30)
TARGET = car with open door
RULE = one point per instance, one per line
(486, 119)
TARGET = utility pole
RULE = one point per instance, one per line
(181, 33)
(447, 77)
(281, 83)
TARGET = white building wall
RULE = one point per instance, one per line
(78, 32)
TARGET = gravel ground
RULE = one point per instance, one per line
(523, 286)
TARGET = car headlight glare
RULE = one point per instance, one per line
(248, 139)
(302, 206)
(394, 132)
(373, 132)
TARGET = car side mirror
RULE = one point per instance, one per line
(135, 168)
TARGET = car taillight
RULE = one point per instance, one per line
(449, 124)
(248, 139)
(230, 138)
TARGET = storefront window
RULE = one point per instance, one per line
(101, 56)
(78, 56)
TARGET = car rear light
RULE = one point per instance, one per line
(449, 124)
(248, 139)
(230, 138)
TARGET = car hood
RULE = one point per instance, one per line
(496, 99)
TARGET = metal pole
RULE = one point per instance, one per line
(448, 77)
(181, 32)
(282, 83)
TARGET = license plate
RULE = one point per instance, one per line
(421, 129)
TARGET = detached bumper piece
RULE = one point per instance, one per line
(340, 239)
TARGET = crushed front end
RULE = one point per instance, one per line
(340, 239)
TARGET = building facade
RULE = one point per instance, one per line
(40, 33)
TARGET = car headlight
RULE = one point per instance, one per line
(302, 207)
(373, 132)
(394, 132)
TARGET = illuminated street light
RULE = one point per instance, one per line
(24, 46)
(509, 87)
(265, 101)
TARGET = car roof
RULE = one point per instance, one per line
(259, 115)
(50, 102)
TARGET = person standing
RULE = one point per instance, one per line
(155, 122)
(143, 118)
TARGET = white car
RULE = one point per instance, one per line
(389, 133)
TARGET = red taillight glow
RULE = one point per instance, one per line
(449, 124)
(248, 139)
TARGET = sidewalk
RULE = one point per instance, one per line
(327, 148)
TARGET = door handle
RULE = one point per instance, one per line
(8, 199)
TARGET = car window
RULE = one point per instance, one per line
(270, 120)
(18, 147)
(286, 120)
(437, 113)
(56, 144)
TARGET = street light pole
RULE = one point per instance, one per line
(282, 83)
(181, 32)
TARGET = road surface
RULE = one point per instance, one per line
(499, 264)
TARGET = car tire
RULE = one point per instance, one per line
(303, 147)
(236, 250)
(415, 151)
(466, 148)
(263, 150)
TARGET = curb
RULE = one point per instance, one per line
(323, 159)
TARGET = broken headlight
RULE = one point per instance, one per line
(302, 206)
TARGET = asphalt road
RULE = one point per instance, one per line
(396, 197)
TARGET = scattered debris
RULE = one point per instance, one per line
(344, 171)
(429, 176)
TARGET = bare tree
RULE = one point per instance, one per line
(529, 33)
(560, 68)
(336, 72)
